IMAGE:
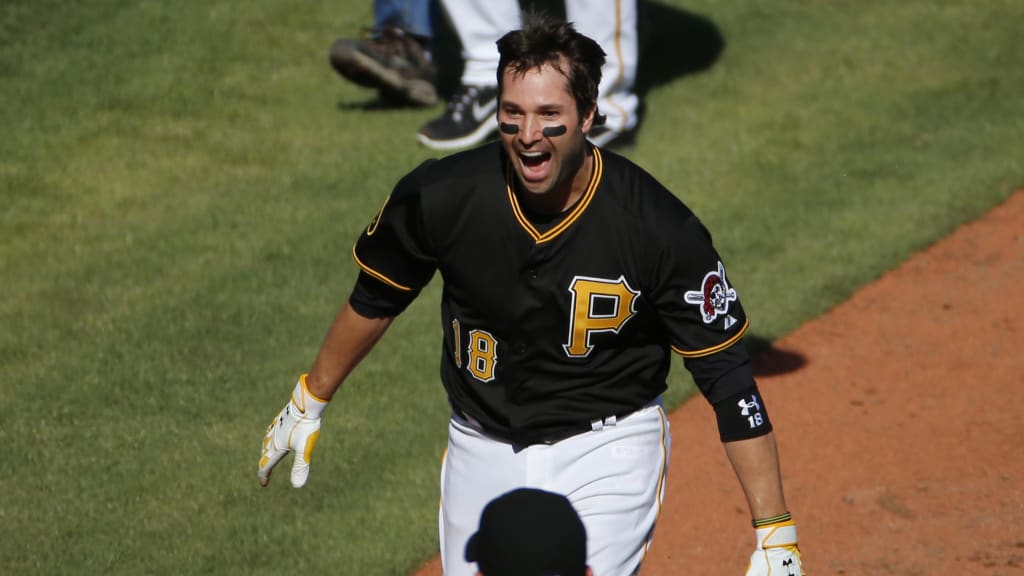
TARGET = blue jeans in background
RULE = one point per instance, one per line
(414, 16)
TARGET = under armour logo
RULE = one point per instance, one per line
(745, 406)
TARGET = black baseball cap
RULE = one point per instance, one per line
(529, 532)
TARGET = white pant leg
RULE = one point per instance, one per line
(476, 469)
(613, 25)
(615, 478)
(479, 24)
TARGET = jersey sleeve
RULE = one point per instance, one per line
(394, 249)
(694, 297)
(372, 298)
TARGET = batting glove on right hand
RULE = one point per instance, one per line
(777, 553)
(296, 428)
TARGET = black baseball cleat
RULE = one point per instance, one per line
(392, 60)
(468, 119)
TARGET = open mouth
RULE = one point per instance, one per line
(534, 163)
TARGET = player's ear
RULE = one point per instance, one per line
(587, 121)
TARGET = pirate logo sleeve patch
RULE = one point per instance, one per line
(714, 297)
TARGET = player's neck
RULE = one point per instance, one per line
(565, 195)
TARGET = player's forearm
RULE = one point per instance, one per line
(349, 339)
(756, 463)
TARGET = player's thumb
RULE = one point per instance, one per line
(300, 468)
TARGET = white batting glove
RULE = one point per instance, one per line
(777, 553)
(297, 429)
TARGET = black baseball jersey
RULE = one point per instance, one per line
(550, 322)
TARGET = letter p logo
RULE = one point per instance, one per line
(598, 305)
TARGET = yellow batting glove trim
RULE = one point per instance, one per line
(310, 444)
(307, 403)
(305, 388)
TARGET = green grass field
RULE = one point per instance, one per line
(180, 185)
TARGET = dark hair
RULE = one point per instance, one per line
(545, 40)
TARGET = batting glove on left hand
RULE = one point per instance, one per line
(777, 553)
(297, 429)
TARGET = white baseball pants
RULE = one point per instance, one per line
(614, 476)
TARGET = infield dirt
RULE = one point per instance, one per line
(899, 417)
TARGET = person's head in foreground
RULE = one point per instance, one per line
(529, 532)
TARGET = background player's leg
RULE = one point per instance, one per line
(412, 15)
(478, 26)
(613, 25)
(469, 116)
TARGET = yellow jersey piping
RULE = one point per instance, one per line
(378, 275)
(713, 349)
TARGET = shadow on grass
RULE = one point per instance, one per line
(674, 43)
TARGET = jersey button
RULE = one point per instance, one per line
(533, 274)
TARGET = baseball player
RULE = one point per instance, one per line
(570, 277)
